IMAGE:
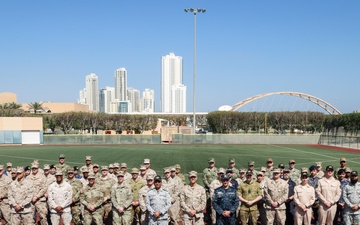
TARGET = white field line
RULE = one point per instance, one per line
(46, 160)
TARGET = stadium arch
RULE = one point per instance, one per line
(317, 101)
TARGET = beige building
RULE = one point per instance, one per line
(7, 97)
(59, 107)
(21, 130)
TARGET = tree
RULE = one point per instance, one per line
(35, 106)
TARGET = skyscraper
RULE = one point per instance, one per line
(107, 95)
(134, 98)
(178, 98)
(121, 84)
(92, 92)
(148, 101)
(171, 74)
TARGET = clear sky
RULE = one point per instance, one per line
(244, 48)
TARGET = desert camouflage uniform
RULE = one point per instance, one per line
(295, 175)
(49, 179)
(158, 201)
(60, 195)
(75, 205)
(121, 197)
(105, 184)
(84, 181)
(150, 172)
(92, 195)
(249, 191)
(5, 182)
(276, 191)
(213, 185)
(136, 185)
(193, 198)
(40, 189)
(63, 167)
(144, 218)
(174, 192)
(182, 177)
(21, 193)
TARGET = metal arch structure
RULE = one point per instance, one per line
(317, 101)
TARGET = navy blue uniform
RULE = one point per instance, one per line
(225, 200)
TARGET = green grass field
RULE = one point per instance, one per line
(190, 157)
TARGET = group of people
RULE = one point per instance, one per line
(113, 195)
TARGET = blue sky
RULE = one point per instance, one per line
(244, 48)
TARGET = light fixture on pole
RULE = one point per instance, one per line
(195, 11)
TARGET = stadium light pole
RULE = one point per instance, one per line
(194, 11)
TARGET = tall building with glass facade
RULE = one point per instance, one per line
(134, 98)
(92, 92)
(121, 84)
(171, 74)
(107, 95)
(148, 101)
(178, 98)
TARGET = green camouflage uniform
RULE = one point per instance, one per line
(295, 175)
(63, 167)
(249, 191)
(121, 197)
(92, 195)
(136, 185)
(105, 185)
(75, 205)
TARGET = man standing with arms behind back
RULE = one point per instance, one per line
(329, 192)
(209, 174)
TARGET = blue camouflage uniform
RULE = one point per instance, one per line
(351, 197)
(225, 200)
(158, 201)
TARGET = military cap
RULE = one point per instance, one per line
(85, 170)
(96, 165)
(134, 170)
(348, 170)
(269, 160)
(251, 163)
(70, 170)
(150, 177)
(177, 166)
(166, 170)
(211, 160)
(229, 171)
(225, 177)
(304, 169)
(27, 168)
(116, 165)
(9, 164)
(341, 171)
(342, 159)
(1, 167)
(354, 173)
(249, 172)
(276, 170)
(263, 169)
(120, 173)
(123, 165)
(291, 161)
(231, 160)
(146, 161)
(13, 170)
(221, 170)
(157, 178)
(91, 176)
(242, 170)
(34, 165)
(19, 169)
(52, 166)
(192, 174)
(303, 174)
(286, 170)
(281, 165)
(46, 166)
(61, 156)
(111, 166)
(88, 158)
(259, 174)
(311, 168)
(142, 167)
(104, 168)
(76, 168)
(329, 167)
(58, 173)
(172, 169)
(318, 163)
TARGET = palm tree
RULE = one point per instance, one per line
(35, 106)
(14, 105)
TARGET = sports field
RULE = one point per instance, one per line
(190, 157)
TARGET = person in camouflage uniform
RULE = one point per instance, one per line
(158, 203)
(215, 184)
(178, 173)
(169, 184)
(136, 184)
(233, 168)
(294, 173)
(121, 198)
(142, 173)
(5, 182)
(193, 201)
(209, 174)
(176, 179)
(269, 167)
(40, 188)
(84, 179)
(249, 193)
(75, 204)
(95, 170)
(60, 197)
(88, 164)
(92, 198)
(149, 171)
(105, 182)
(123, 168)
(20, 195)
(61, 165)
(144, 218)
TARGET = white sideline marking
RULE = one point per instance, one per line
(47, 160)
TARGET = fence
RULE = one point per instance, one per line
(340, 141)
